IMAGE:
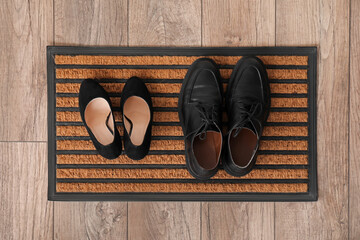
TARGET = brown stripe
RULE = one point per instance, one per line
(275, 102)
(115, 101)
(164, 73)
(174, 159)
(177, 131)
(117, 87)
(142, 173)
(122, 159)
(173, 117)
(158, 101)
(285, 131)
(289, 102)
(179, 145)
(291, 88)
(283, 145)
(156, 131)
(172, 102)
(288, 117)
(180, 187)
(282, 159)
(171, 60)
(288, 88)
(158, 117)
(88, 145)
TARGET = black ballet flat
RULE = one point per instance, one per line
(97, 116)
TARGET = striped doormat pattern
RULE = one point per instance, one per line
(286, 165)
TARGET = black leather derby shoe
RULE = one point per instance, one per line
(96, 113)
(247, 105)
(200, 117)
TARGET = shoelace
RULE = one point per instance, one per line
(208, 114)
(247, 108)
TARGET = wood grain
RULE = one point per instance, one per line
(90, 220)
(164, 23)
(97, 23)
(25, 212)
(354, 131)
(26, 29)
(297, 23)
(164, 220)
(92, 22)
(237, 221)
(325, 23)
(238, 23)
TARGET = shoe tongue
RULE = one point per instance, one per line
(247, 125)
(210, 127)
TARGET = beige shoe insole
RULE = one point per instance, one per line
(136, 119)
(99, 119)
(207, 151)
(243, 146)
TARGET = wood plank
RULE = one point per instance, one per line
(164, 23)
(25, 212)
(238, 23)
(237, 220)
(26, 29)
(90, 220)
(323, 23)
(91, 23)
(354, 131)
(297, 23)
(164, 220)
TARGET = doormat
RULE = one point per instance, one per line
(286, 166)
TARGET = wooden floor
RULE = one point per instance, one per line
(27, 27)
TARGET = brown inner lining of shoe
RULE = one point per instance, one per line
(96, 117)
(242, 146)
(207, 151)
(137, 111)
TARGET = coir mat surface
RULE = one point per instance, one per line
(286, 165)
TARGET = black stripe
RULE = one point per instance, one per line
(122, 166)
(284, 138)
(88, 66)
(94, 152)
(163, 166)
(121, 80)
(118, 123)
(85, 138)
(182, 152)
(285, 124)
(175, 109)
(158, 80)
(151, 180)
(116, 109)
(176, 95)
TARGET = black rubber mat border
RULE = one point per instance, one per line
(311, 52)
